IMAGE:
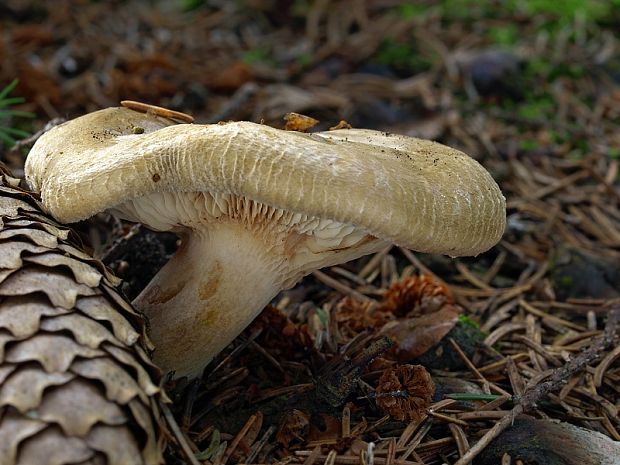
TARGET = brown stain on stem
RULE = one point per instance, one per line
(209, 316)
(209, 288)
(156, 295)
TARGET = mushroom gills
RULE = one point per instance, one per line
(166, 211)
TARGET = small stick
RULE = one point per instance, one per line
(339, 286)
(349, 275)
(157, 111)
(241, 434)
(374, 262)
(459, 437)
(258, 446)
(346, 422)
(29, 141)
(178, 435)
(232, 105)
(408, 432)
(486, 385)
(391, 452)
(418, 264)
(417, 439)
(447, 418)
(313, 456)
(267, 355)
(354, 460)
(472, 278)
(556, 379)
(600, 370)
(119, 246)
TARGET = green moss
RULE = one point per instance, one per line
(257, 55)
(505, 35)
(305, 59)
(613, 153)
(468, 321)
(401, 56)
(528, 145)
(410, 10)
(536, 109)
(566, 10)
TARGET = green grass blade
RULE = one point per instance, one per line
(8, 89)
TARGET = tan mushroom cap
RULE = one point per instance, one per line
(415, 193)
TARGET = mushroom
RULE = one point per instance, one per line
(256, 209)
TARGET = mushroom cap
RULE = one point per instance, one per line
(415, 193)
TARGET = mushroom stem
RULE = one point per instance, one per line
(213, 287)
(220, 279)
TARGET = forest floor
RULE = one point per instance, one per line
(508, 341)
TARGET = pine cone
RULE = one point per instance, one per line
(76, 384)
(405, 392)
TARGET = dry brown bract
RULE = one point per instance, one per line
(294, 426)
(355, 316)
(300, 123)
(76, 384)
(416, 295)
(279, 334)
(416, 313)
(405, 392)
(410, 296)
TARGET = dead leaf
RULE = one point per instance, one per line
(415, 336)
(294, 427)
(230, 78)
(325, 428)
(415, 295)
(298, 122)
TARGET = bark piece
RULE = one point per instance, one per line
(552, 443)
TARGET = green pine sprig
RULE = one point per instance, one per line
(10, 135)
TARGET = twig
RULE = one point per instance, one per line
(339, 379)
(258, 446)
(557, 378)
(257, 417)
(340, 287)
(486, 384)
(29, 141)
(119, 247)
(313, 456)
(178, 435)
